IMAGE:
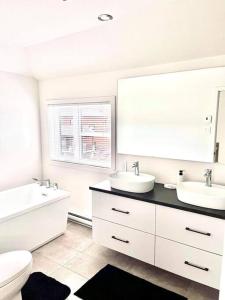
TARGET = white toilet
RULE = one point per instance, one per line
(15, 268)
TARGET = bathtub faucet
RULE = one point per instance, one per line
(55, 186)
(46, 182)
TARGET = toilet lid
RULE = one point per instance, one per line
(13, 264)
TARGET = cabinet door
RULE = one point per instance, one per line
(129, 212)
(129, 241)
(189, 262)
(193, 229)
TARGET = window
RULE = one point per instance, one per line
(81, 133)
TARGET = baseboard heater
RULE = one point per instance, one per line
(80, 219)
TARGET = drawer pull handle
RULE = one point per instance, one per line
(196, 266)
(197, 231)
(120, 211)
(120, 240)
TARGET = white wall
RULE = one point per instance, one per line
(15, 60)
(20, 153)
(77, 179)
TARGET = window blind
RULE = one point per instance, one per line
(80, 133)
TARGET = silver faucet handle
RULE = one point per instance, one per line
(208, 172)
(135, 164)
(48, 183)
(55, 186)
(37, 181)
(45, 182)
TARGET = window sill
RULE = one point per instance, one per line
(82, 167)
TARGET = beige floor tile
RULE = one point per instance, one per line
(75, 238)
(69, 278)
(43, 264)
(172, 282)
(86, 265)
(123, 262)
(57, 252)
(145, 271)
(198, 291)
(110, 256)
(70, 223)
(96, 250)
(73, 297)
(78, 229)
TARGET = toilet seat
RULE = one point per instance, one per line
(12, 265)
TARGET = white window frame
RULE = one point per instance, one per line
(87, 100)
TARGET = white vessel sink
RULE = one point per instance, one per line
(128, 181)
(197, 193)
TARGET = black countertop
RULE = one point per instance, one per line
(161, 196)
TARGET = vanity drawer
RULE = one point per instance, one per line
(129, 241)
(193, 229)
(192, 263)
(125, 211)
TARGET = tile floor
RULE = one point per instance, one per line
(73, 258)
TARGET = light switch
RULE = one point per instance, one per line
(208, 119)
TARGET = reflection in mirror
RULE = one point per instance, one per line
(169, 115)
(220, 138)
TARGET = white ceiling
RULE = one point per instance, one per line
(65, 37)
(28, 22)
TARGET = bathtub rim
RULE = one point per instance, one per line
(63, 195)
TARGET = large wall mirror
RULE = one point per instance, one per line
(220, 136)
(173, 115)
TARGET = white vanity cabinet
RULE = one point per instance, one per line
(189, 244)
(135, 214)
(185, 243)
(189, 228)
(125, 225)
(126, 240)
(189, 262)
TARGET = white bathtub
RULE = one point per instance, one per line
(30, 216)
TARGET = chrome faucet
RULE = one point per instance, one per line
(136, 168)
(208, 175)
(55, 186)
(46, 182)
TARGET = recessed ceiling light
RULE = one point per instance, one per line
(105, 17)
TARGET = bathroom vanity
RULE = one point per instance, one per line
(157, 228)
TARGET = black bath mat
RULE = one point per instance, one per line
(112, 283)
(41, 287)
